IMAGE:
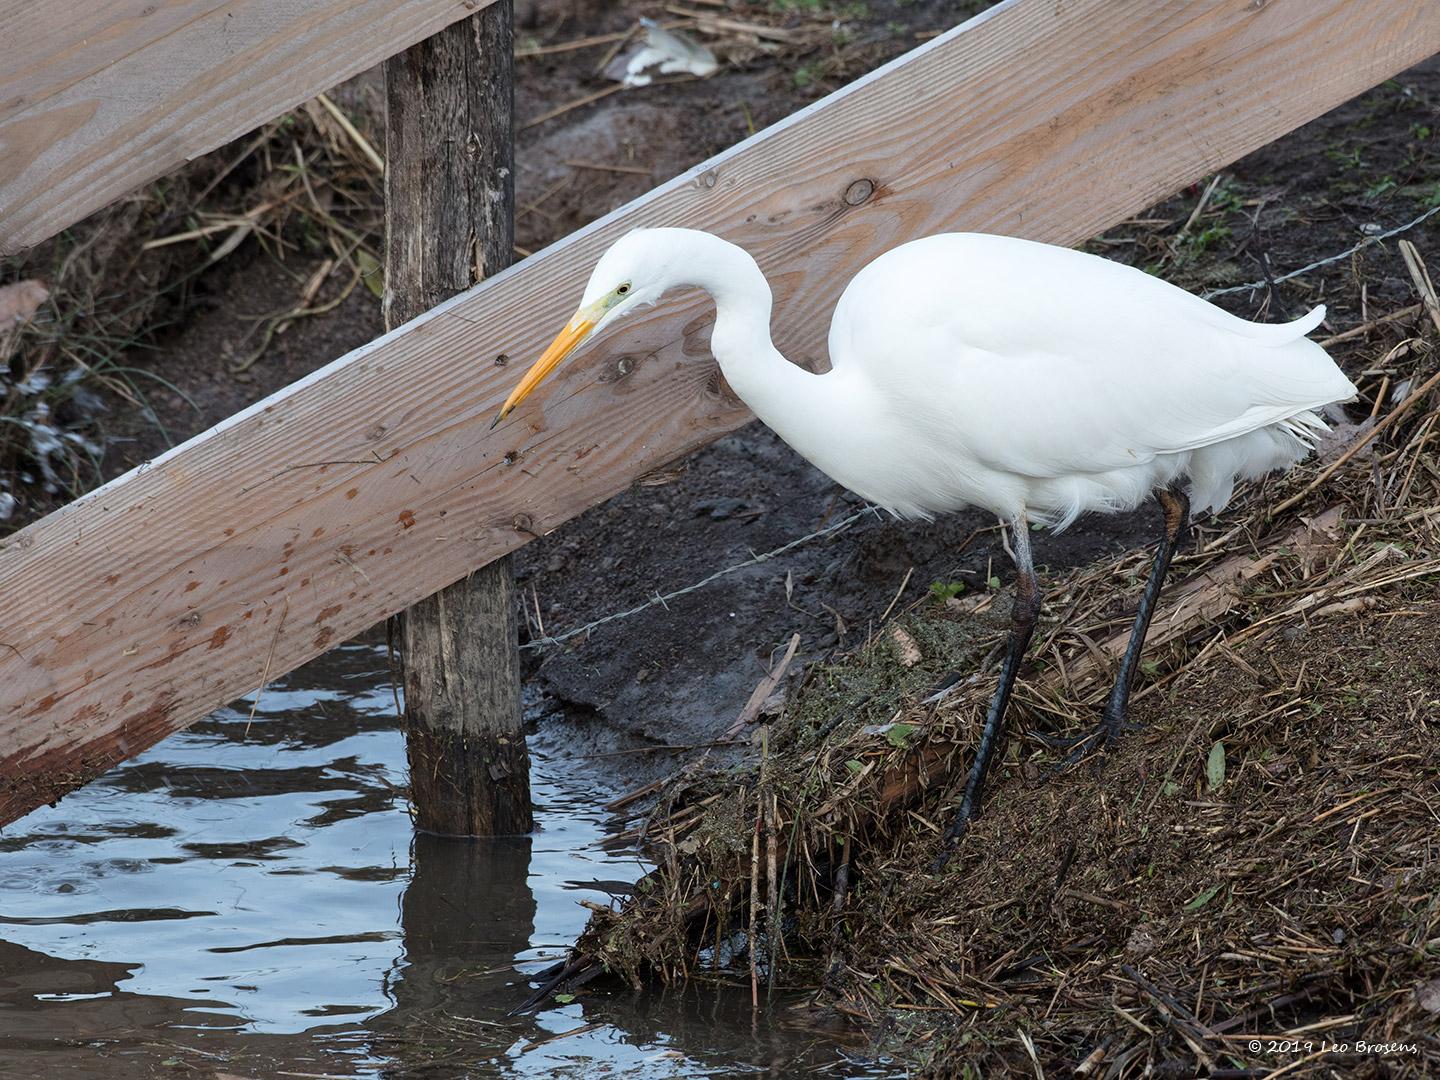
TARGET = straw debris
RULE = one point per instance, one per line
(1249, 884)
(77, 311)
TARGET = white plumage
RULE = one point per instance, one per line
(1020, 376)
(977, 370)
(1034, 381)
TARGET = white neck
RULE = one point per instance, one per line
(789, 399)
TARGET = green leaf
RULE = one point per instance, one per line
(853, 765)
(564, 999)
(1215, 766)
(370, 272)
(994, 582)
(899, 735)
(1203, 899)
(1170, 789)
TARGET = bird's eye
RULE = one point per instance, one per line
(623, 289)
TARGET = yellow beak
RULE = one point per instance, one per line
(576, 331)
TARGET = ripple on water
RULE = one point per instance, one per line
(254, 888)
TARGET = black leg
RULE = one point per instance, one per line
(1022, 625)
(1176, 505)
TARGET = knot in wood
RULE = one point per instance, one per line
(859, 191)
(709, 178)
(617, 369)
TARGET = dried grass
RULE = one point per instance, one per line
(1259, 864)
(305, 189)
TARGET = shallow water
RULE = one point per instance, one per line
(249, 899)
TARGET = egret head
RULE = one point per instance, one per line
(634, 273)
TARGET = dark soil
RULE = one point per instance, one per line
(1248, 883)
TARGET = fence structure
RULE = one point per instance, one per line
(375, 481)
(99, 98)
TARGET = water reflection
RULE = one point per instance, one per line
(249, 897)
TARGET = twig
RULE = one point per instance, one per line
(1199, 207)
(614, 50)
(1362, 442)
(762, 692)
(1365, 328)
(571, 46)
(772, 883)
(265, 671)
(578, 103)
(598, 166)
(278, 323)
(713, 24)
(371, 154)
(750, 939)
(581, 1030)
(1421, 277)
(898, 593)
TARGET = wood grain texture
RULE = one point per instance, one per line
(371, 483)
(100, 97)
(450, 220)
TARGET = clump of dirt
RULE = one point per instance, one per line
(1249, 882)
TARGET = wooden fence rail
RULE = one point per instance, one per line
(375, 481)
(100, 96)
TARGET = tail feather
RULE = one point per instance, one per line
(1305, 426)
(1274, 335)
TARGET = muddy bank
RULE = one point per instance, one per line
(1246, 884)
(678, 674)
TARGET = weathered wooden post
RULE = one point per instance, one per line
(449, 209)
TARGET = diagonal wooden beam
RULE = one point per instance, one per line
(99, 97)
(373, 482)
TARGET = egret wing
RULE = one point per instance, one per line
(1048, 362)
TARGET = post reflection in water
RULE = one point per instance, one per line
(466, 914)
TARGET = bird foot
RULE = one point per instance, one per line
(944, 857)
(955, 833)
(1101, 738)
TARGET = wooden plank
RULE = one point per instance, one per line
(348, 496)
(99, 98)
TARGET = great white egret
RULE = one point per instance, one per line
(1033, 381)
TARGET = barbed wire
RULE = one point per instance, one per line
(1326, 262)
(549, 640)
